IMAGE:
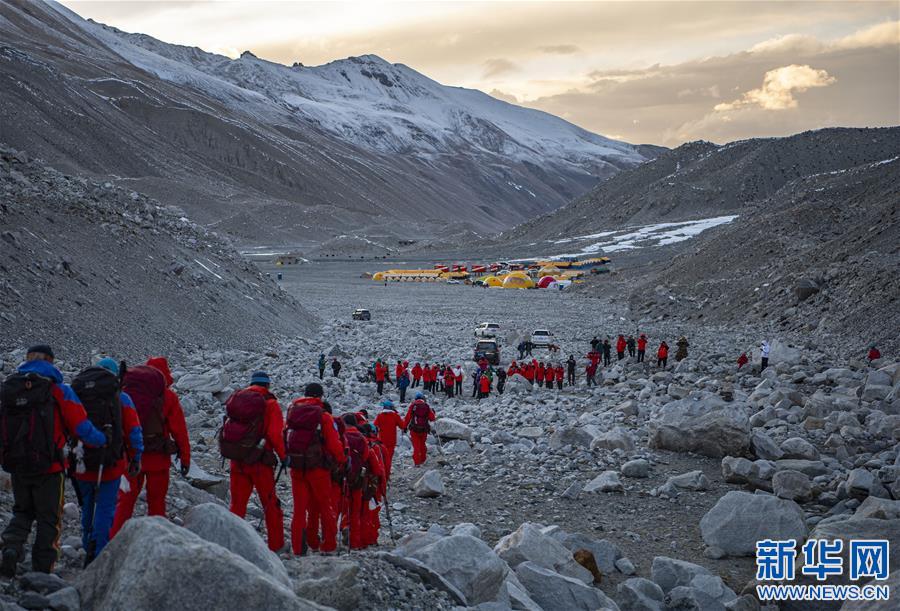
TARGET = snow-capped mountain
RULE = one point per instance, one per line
(272, 153)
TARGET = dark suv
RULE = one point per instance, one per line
(361, 314)
(489, 349)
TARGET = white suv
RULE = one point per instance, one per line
(487, 329)
(541, 338)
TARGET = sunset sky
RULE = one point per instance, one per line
(655, 72)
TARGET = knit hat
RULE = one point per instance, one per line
(260, 377)
(314, 390)
(387, 404)
(109, 364)
(419, 395)
(42, 349)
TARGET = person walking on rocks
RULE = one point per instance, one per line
(571, 364)
(109, 409)
(630, 343)
(549, 376)
(621, 344)
(539, 374)
(874, 353)
(402, 385)
(764, 355)
(742, 360)
(416, 375)
(388, 422)
(529, 347)
(322, 363)
(662, 355)
(559, 376)
(37, 413)
(165, 433)
(458, 377)
(607, 352)
(374, 487)
(312, 445)
(595, 343)
(501, 380)
(418, 421)
(484, 386)
(682, 351)
(590, 371)
(252, 437)
(380, 375)
(641, 348)
(336, 367)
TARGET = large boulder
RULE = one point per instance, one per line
(448, 428)
(764, 446)
(571, 435)
(468, 564)
(710, 426)
(153, 564)
(528, 543)
(605, 552)
(329, 581)
(792, 485)
(639, 594)
(608, 481)
(218, 525)
(212, 381)
(669, 573)
(740, 519)
(797, 447)
(617, 439)
(551, 590)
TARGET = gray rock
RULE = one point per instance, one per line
(530, 432)
(424, 572)
(792, 485)
(574, 436)
(45, 583)
(331, 582)
(218, 525)
(617, 439)
(692, 480)
(893, 582)
(671, 573)
(554, 591)
(637, 468)
(711, 427)
(529, 544)
(714, 587)
(639, 594)
(625, 566)
(756, 474)
(66, 599)
(860, 482)
(466, 528)
(797, 447)
(178, 570)
(212, 381)
(740, 519)
(467, 563)
(688, 598)
(764, 447)
(606, 553)
(608, 481)
(430, 485)
(447, 428)
(813, 468)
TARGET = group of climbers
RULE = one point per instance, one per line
(113, 430)
(339, 465)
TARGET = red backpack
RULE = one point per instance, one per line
(303, 435)
(147, 386)
(242, 436)
(420, 422)
(357, 447)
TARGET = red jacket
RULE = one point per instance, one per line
(409, 414)
(560, 373)
(621, 344)
(417, 371)
(642, 343)
(663, 351)
(539, 373)
(375, 466)
(549, 374)
(331, 439)
(874, 354)
(388, 422)
(398, 370)
(273, 422)
(174, 425)
(529, 373)
(380, 372)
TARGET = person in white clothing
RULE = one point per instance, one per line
(764, 353)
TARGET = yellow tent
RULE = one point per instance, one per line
(550, 270)
(493, 281)
(518, 280)
(378, 276)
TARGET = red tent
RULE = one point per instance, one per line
(545, 282)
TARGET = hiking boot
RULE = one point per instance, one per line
(9, 562)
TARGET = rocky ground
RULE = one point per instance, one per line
(667, 477)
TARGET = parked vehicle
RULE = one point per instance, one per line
(361, 314)
(541, 338)
(487, 329)
(488, 349)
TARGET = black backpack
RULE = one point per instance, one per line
(27, 443)
(98, 389)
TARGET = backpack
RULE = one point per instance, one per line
(98, 389)
(147, 386)
(303, 435)
(242, 437)
(419, 422)
(371, 482)
(356, 446)
(27, 420)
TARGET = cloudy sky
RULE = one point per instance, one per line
(656, 72)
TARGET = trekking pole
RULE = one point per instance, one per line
(439, 444)
(387, 510)
(347, 502)
(273, 493)
(91, 534)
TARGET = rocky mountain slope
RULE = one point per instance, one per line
(276, 154)
(88, 267)
(701, 180)
(820, 256)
